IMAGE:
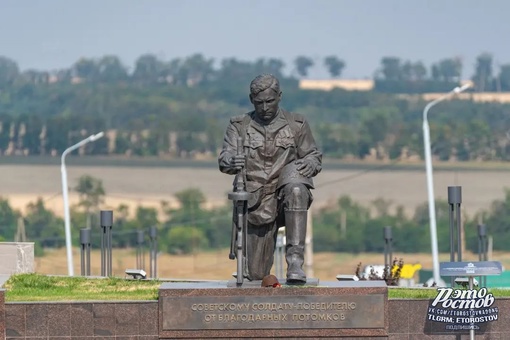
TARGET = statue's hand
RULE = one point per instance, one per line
(305, 167)
(238, 162)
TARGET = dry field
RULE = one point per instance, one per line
(148, 186)
(217, 266)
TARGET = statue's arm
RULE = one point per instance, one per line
(307, 148)
(229, 150)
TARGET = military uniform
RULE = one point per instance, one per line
(268, 149)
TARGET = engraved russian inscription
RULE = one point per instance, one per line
(242, 312)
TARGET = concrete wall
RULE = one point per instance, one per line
(16, 257)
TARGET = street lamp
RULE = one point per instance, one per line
(430, 184)
(67, 217)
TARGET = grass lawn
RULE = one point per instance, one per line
(37, 287)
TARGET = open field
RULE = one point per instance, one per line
(217, 266)
(149, 183)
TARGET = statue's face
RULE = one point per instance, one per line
(266, 104)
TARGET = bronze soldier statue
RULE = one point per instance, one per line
(280, 158)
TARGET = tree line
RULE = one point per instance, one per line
(392, 74)
(180, 108)
(344, 226)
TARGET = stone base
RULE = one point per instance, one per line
(16, 257)
(330, 309)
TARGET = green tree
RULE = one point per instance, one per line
(43, 226)
(391, 68)
(497, 218)
(148, 68)
(421, 218)
(483, 72)
(334, 65)
(504, 77)
(34, 77)
(450, 69)
(87, 69)
(302, 64)
(413, 71)
(91, 194)
(330, 232)
(185, 240)
(196, 69)
(9, 71)
(111, 69)
(8, 220)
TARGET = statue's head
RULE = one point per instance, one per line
(265, 96)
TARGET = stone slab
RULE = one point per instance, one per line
(334, 309)
(16, 257)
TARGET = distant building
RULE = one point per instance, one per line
(329, 84)
(368, 85)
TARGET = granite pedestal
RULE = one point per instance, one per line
(2, 313)
(329, 309)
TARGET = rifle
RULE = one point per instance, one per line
(240, 197)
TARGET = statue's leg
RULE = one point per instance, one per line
(296, 200)
(261, 242)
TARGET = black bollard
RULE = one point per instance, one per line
(388, 251)
(140, 256)
(106, 242)
(85, 251)
(482, 249)
(153, 235)
(455, 200)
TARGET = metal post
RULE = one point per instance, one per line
(153, 234)
(455, 200)
(277, 268)
(103, 250)
(106, 242)
(430, 182)
(471, 329)
(482, 250)
(388, 251)
(279, 260)
(85, 251)
(140, 256)
(110, 243)
(65, 196)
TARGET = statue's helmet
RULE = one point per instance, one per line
(290, 174)
(270, 281)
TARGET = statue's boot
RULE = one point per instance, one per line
(295, 233)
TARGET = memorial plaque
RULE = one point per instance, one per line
(332, 309)
(269, 312)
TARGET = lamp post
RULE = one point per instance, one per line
(67, 218)
(430, 184)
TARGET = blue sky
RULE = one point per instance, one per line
(52, 34)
